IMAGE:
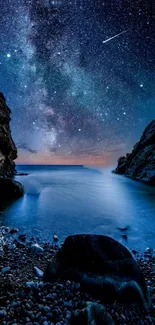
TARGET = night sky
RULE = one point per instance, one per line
(77, 93)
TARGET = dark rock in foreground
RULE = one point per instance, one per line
(103, 266)
(140, 163)
(9, 189)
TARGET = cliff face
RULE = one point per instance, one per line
(140, 163)
(8, 151)
(9, 189)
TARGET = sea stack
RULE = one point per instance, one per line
(140, 163)
(8, 153)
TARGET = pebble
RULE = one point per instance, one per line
(40, 303)
(5, 269)
(22, 237)
(36, 249)
(30, 284)
(148, 251)
(124, 236)
(14, 230)
(3, 313)
(55, 238)
(38, 272)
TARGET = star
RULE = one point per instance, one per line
(75, 76)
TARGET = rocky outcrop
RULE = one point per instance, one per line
(8, 153)
(140, 163)
(103, 266)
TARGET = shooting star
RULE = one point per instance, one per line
(109, 39)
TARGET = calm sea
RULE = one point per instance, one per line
(67, 200)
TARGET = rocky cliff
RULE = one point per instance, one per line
(140, 163)
(8, 153)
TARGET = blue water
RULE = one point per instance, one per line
(67, 200)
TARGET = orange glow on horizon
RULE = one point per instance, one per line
(46, 159)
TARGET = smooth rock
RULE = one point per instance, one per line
(100, 264)
(38, 272)
(22, 237)
(148, 251)
(36, 249)
(124, 236)
(5, 269)
(55, 238)
(3, 313)
(30, 284)
(14, 231)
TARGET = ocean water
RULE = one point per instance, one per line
(67, 200)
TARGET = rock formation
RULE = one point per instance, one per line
(8, 153)
(140, 163)
(102, 266)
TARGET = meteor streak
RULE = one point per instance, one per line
(109, 39)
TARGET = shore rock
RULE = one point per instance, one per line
(8, 153)
(102, 266)
(10, 189)
(93, 314)
(140, 163)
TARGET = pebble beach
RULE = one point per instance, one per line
(26, 299)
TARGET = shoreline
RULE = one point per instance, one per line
(26, 299)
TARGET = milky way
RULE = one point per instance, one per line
(74, 97)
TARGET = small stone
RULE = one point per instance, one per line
(134, 251)
(68, 315)
(19, 244)
(49, 316)
(77, 286)
(1, 252)
(46, 309)
(14, 230)
(36, 249)
(68, 304)
(3, 313)
(148, 251)
(30, 284)
(22, 237)
(5, 269)
(55, 238)
(124, 236)
(38, 272)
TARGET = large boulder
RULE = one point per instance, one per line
(103, 266)
(140, 163)
(9, 189)
(8, 153)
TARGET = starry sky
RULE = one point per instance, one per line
(78, 94)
